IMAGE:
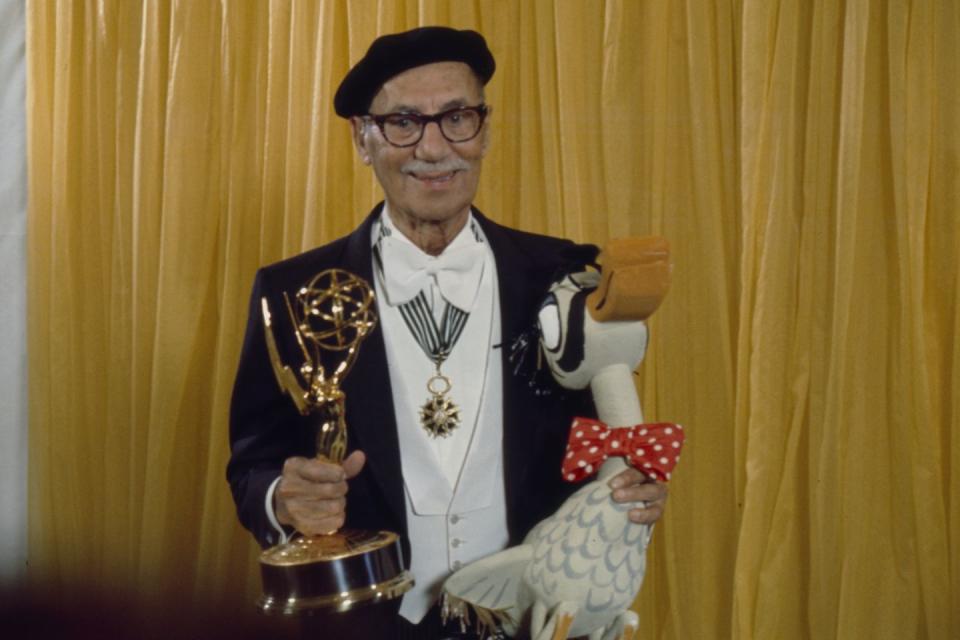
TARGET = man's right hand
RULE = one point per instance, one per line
(311, 494)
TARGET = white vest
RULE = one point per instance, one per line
(453, 487)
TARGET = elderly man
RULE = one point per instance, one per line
(446, 446)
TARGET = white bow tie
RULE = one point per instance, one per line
(407, 271)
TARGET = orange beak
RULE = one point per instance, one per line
(634, 279)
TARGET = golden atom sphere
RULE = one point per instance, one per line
(335, 309)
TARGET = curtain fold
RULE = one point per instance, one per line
(802, 159)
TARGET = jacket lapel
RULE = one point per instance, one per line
(367, 386)
(513, 275)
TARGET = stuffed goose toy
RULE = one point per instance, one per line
(579, 570)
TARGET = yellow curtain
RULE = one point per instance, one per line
(803, 158)
(847, 385)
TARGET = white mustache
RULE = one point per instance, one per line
(444, 166)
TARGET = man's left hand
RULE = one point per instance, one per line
(632, 486)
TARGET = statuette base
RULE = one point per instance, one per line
(334, 572)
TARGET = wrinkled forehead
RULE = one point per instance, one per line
(429, 88)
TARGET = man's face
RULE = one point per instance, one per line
(433, 180)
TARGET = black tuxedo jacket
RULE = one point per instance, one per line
(265, 427)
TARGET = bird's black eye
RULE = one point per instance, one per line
(549, 321)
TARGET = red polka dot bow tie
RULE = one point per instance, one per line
(653, 449)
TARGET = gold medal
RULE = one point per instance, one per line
(439, 415)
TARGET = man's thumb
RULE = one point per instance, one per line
(353, 463)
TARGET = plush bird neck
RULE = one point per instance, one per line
(615, 398)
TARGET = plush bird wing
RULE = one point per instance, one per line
(488, 591)
(589, 553)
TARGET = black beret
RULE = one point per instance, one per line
(395, 53)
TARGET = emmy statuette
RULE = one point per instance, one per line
(331, 315)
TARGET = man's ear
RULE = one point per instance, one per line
(357, 130)
(485, 140)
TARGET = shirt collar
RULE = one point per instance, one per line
(384, 226)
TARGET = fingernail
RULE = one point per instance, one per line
(616, 483)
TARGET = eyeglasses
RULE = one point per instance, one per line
(406, 129)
